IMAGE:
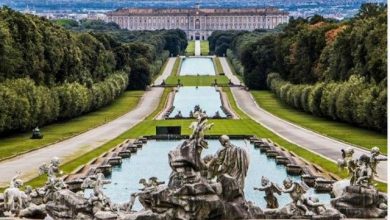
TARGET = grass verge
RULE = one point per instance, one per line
(197, 80)
(204, 48)
(218, 66)
(342, 131)
(190, 50)
(176, 66)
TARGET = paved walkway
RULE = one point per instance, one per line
(71, 148)
(314, 142)
(197, 48)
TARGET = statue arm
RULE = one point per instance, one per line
(360, 179)
(263, 188)
(314, 204)
(291, 189)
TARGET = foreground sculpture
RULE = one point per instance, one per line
(269, 188)
(359, 198)
(210, 187)
(230, 160)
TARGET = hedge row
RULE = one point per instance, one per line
(24, 105)
(354, 101)
(238, 68)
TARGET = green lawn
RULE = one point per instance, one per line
(204, 48)
(175, 70)
(21, 143)
(218, 66)
(342, 131)
(190, 50)
(197, 80)
(241, 126)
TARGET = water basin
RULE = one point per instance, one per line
(152, 160)
(206, 97)
(197, 66)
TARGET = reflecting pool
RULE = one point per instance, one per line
(208, 99)
(197, 66)
(152, 160)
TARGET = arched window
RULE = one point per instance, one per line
(197, 24)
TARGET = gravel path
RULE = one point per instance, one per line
(73, 147)
(197, 48)
(312, 141)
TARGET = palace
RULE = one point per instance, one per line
(198, 23)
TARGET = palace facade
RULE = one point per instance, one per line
(198, 23)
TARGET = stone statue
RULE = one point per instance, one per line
(363, 175)
(217, 115)
(53, 183)
(36, 133)
(197, 108)
(269, 188)
(374, 160)
(297, 193)
(348, 162)
(98, 187)
(179, 115)
(314, 205)
(359, 198)
(148, 187)
(15, 199)
(51, 170)
(199, 127)
(231, 160)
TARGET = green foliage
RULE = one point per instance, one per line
(327, 68)
(355, 101)
(50, 55)
(219, 41)
(49, 73)
(24, 105)
(258, 62)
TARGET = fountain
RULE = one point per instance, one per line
(190, 98)
(210, 187)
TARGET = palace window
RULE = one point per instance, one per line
(197, 24)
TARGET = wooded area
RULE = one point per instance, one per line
(49, 73)
(335, 69)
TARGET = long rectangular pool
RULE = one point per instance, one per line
(206, 97)
(197, 66)
(152, 160)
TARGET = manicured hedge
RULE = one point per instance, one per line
(24, 105)
(354, 101)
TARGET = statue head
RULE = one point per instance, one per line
(18, 183)
(28, 190)
(153, 179)
(364, 159)
(100, 175)
(142, 181)
(55, 161)
(287, 183)
(224, 139)
(264, 181)
(349, 152)
(375, 151)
